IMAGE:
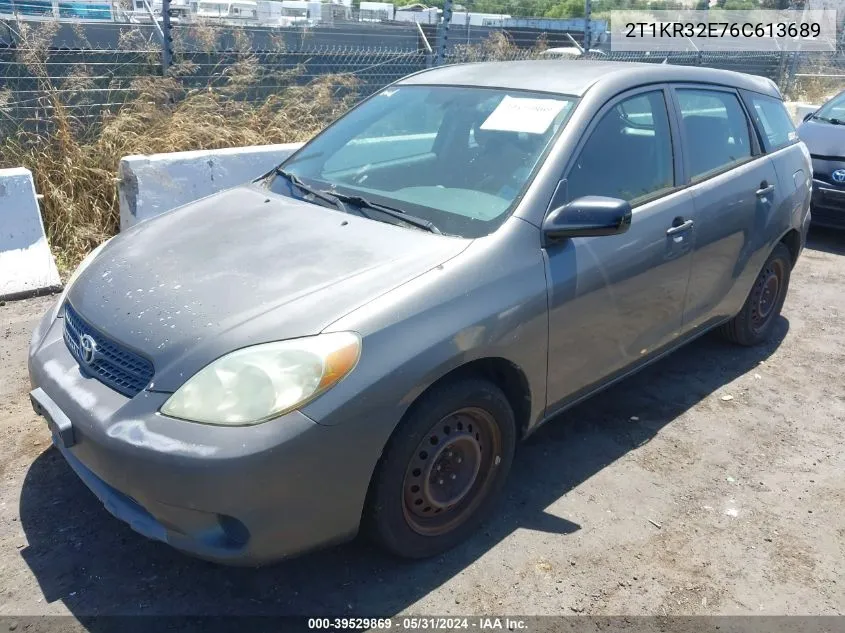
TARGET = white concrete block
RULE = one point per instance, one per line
(798, 110)
(26, 263)
(151, 185)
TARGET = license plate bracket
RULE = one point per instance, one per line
(59, 424)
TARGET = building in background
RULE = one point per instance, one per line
(376, 11)
(418, 13)
(463, 17)
(300, 12)
(233, 11)
(75, 10)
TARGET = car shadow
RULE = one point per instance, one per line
(826, 239)
(96, 565)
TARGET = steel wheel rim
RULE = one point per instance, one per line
(767, 290)
(451, 471)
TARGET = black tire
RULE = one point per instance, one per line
(753, 325)
(445, 426)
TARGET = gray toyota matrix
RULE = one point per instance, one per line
(357, 340)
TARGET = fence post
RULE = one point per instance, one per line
(782, 72)
(466, 16)
(789, 84)
(166, 37)
(588, 30)
(443, 33)
(429, 54)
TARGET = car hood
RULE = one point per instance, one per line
(823, 139)
(244, 266)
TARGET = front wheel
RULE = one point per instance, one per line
(755, 321)
(442, 469)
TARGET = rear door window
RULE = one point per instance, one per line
(772, 120)
(715, 128)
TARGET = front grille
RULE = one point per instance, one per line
(829, 217)
(828, 180)
(113, 365)
(823, 168)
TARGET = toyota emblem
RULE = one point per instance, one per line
(87, 348)
(838, 176)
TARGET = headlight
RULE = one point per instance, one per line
(261, 382)
(75, 275)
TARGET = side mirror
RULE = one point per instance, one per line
(808, 116)
(589, 216)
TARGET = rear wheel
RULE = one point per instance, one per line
(442, 469)
(755, 321)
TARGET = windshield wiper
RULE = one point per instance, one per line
(833, 121)
(317, 193)
(399, 214)
(339, 201)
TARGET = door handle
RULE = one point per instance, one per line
(683, 226)
(765, 189)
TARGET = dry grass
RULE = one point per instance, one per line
(818, 89)
(75, 167)
(498, 46)
(819, 76)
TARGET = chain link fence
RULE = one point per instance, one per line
(815, 77)
(76, 97)
(94, 68)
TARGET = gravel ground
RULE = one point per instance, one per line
(710, 483)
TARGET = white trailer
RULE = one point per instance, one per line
(462, 18)
(269, 12)
(420, 15)
(376, 11)
(235, 11)
(303, 12)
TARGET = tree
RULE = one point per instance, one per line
(566, 9)
(741, 5)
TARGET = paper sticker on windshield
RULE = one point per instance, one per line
(519, 114)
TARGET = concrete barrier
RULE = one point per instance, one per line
(798, 110)
(150, 185)
(26, 263)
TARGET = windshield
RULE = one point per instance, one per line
(833, 109)
(457, 157)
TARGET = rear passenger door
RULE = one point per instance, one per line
(734, 189)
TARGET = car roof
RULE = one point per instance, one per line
(575, 77)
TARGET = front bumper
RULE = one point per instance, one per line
(243, 495)
(828, 205)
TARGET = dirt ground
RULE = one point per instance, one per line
(710, 483)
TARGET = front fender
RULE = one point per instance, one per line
(488, 302)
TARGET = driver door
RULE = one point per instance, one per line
(616, 301)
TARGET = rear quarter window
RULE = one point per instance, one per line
(772, 120)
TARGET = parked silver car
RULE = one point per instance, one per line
(360, 338)
(823, 132)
